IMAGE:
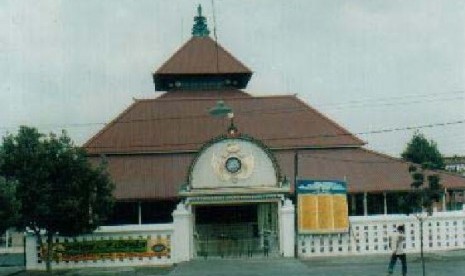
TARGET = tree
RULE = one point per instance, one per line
(420, 200)
(59, 190)
(9, 205)
(426, 158)
(423, 152)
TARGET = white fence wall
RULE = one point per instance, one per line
(127, 232)
(11, 242)
(369, 235)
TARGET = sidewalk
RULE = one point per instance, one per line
(437, 264)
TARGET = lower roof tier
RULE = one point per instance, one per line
(160, 176)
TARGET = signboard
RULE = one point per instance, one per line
(93, 250)
(322, 206)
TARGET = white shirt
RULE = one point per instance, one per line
(397, 242)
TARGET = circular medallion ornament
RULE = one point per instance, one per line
(233, 164)
(158, 248)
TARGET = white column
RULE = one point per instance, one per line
(444, 200)
(287, 228)
(365, 204)
(139, 212)
(182, 240)
(385, 203)
(31, 253)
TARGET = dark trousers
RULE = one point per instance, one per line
(403, 260)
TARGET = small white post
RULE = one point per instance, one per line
(183, 234)
(287, 225)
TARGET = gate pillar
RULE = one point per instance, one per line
(287, 227)
(182, 239)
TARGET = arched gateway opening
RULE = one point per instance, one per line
(235, 191)
(242, 229)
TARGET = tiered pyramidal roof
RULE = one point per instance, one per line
(201, 64)
(151, 144)
(199, 74)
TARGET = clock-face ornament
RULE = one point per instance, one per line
(233, 165)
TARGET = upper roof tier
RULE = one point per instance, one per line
(201, 64)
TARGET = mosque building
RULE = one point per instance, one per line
(235, 158)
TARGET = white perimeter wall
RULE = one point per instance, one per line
(126, 232)
(369, 235)
(178, 236)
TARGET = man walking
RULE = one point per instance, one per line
(396, 244)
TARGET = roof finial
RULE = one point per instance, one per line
(200, 26)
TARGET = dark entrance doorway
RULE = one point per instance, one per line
(236, 230)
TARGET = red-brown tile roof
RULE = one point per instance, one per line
(179, 121)
(364, 170)
(146, 177)
(201, 55)
(159, 176)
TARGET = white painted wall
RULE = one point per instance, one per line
(369, 235)
(257, 168)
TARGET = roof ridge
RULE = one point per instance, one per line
(176, 52)
(229, 54)
(110, 124)
(410, 163)
(331, 121)
(384, 155)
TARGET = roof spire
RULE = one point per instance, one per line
(200, 27)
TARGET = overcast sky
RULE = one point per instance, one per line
(368, 65)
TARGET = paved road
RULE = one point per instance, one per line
(437, 265)
(14, 259)
(354, 266)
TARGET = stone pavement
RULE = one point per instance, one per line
(350, 266)
(437, 264)
(278, 266)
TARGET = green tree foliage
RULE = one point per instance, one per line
(423, 152)
(426, 190)
(9, 205)
(59, 190)
(426, 186)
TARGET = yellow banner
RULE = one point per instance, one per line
(322, 213)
